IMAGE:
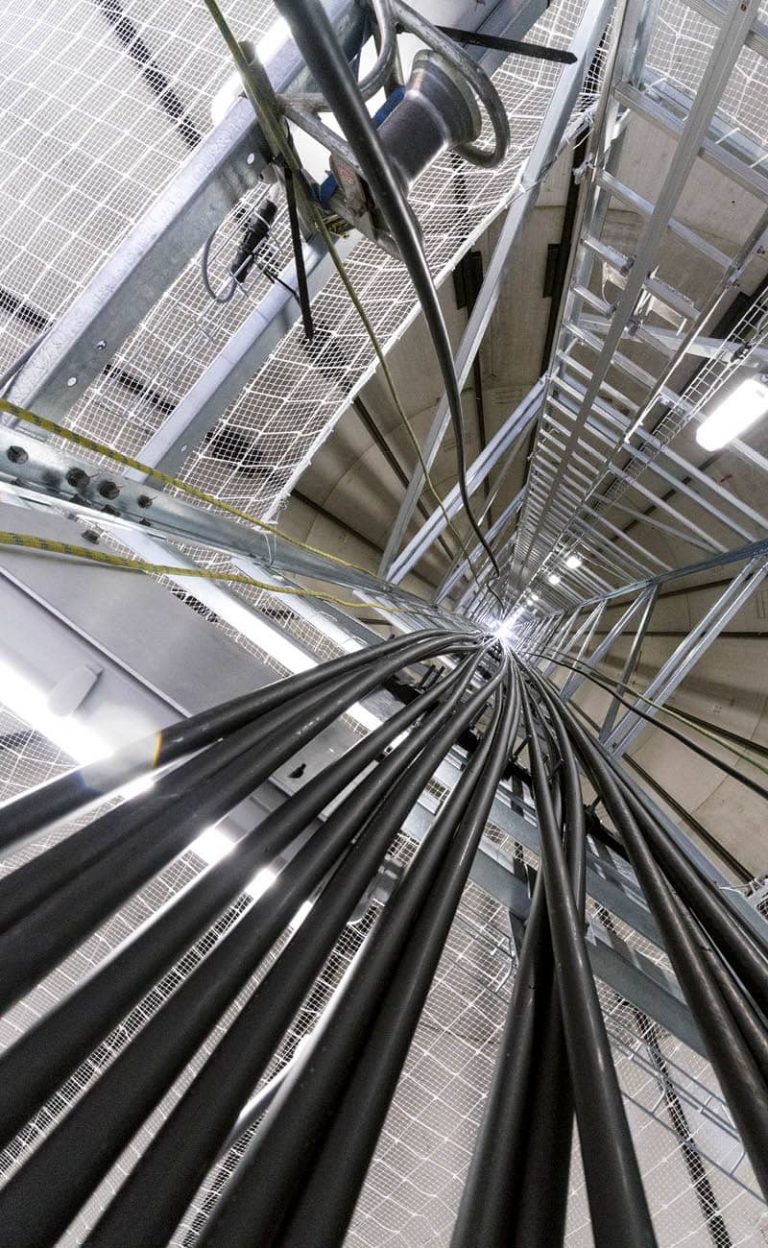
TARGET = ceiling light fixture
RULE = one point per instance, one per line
(553, 578)
(573, 562)
(736, 413)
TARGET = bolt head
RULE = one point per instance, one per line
(144, 501)
(108, 489)
(78, 478)
(17, 454)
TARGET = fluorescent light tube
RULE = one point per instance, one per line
(737, 412)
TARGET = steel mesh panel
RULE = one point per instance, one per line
(68, 211)
(26, 757)
(681, 43)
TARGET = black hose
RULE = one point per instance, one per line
(31, 812)
(720, 763)
(40, 1200)
(35, 881)
(252, 1209)
(742, 953)
(541, 1223)
(317, 41)
(734, 1065)
(330, 1193)
(31, 1070)
(616, 1198)
(526, 1134)
(35, 944)
(495, 1174)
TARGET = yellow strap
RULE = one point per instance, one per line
(79, 439)
(28, 542)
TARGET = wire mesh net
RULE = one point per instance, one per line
(104, 102)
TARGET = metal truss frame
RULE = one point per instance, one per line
(592, 443)
(553, 136)
(144, 518)
(551, 640)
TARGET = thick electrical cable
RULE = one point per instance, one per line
(526, 1133)
(617, 1201)
(200, 1118)
(75, 1156)
(35, 944)
(498, 1159)
(724, 924)
(316, 39)
(330, 1194)
(736, 1068)
(33, 882)
(287, 1140)
(612, 687)
(49, 1051)
(541, 1223)
(52, 801)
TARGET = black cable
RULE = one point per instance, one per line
(35, 944)
(258, 1198)
(498, 1159)
(747, 947)
(330, 1193)
(71, 1161)
(524, 1143)
(33, 883)
(541, 1223)
(31, 812)
(256, 230)
(729, 770)
(616, 1198)
(317, 41)
(538, 51)
(48, 1052)
(739, 870)
(697, 1173)
(704, 900)
(733, 1062)
(298, 254)
(203, 1119)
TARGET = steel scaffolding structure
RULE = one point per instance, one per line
(224, 943)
